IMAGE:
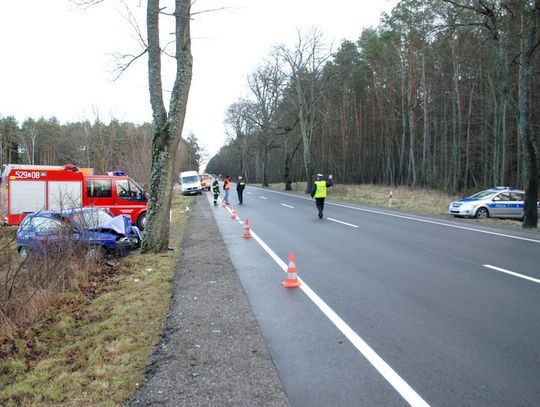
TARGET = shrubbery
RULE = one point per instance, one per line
(29, 287)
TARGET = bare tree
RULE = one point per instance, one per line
(240, 131)
(305, 61)
(28, 140)
(266, 84)
(167, 125)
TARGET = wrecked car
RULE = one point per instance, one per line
(95, 230)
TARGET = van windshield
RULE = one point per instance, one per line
(190, 179)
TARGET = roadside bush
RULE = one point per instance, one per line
(29, 287)
(92, 346)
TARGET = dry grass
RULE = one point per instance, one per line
(414, 200)
(92, 349)
(29, 288)
(420, 200)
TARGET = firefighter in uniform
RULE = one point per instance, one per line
(318, 191)
(240, 186)
(215, 190)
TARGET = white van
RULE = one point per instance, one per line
(190, 183)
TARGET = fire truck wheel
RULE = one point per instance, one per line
(141, 222)
(95, 252)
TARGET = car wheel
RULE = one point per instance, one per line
(141, 221)
(95, 253)
(24, 252)
(481, 213)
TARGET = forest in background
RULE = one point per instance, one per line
(104, 147)
(416, 101)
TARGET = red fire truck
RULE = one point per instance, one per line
(27, 189)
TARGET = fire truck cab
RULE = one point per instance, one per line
(27, 189)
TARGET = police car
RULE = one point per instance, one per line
(498, 202)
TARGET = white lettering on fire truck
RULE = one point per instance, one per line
(29, 174)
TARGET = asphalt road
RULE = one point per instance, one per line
(394, 309)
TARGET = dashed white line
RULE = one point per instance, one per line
(534, 280)
(249, 193)
(263, 197)
(487, 232)
(343, 223)
(287, 206)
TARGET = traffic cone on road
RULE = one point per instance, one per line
(247, 232)
(292, 280)
(233, 216)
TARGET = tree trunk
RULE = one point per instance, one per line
(264, 160)
(288, 160)
(531, 155)
(403, 122)
(468, 140)
(458, 122)
(425, 133)
(305, 130)
(167, 127)
(520, 110)
(411, 99)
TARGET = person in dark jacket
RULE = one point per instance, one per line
(318, 191)
(240, 186)
(215, 190)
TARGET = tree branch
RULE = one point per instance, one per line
(464, 6)
(120, 69)
(133, 23)
(86, 4)
(210, 10)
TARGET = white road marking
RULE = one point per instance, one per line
(288, 206)
(487, 232)
(343, 223)
(534, 280)
(262, 197)
(249, 193)
(400, 385)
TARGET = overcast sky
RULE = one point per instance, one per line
(58, 60)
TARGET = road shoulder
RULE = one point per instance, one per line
(212, 352)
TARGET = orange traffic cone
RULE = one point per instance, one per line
(292, 280)
(233, 216)
(247, 232)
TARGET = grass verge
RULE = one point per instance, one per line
(415, 200)
(92, 348)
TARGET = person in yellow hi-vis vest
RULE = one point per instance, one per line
(318, 191)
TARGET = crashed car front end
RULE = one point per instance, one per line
(126, 236)
(95, 230)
